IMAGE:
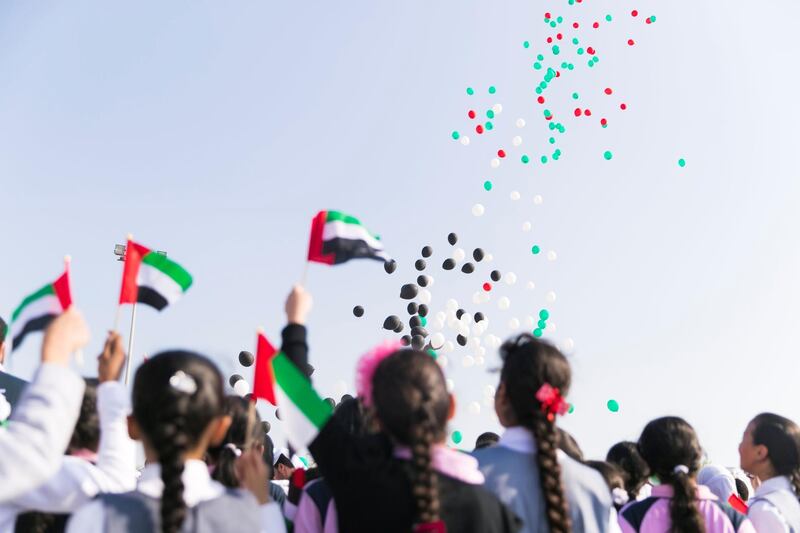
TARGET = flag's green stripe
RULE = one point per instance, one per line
(338, 215)
(44, 291)
(299, 390)
(170, 268)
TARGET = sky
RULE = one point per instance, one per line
(215, 131)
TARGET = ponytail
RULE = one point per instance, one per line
(683, 510)
(171, 443)
(550, 475)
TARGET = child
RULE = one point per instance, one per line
(770, 450)
(402, 478)
(244, 434)
(626, 455)
(178, 412)
(670, 447)
(615, 481)
(548, 489)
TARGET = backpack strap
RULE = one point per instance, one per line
(634, 513)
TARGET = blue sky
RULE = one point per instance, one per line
(215, 131)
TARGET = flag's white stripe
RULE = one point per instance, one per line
(159, 282)
(338, 229)
(46, 305)
(300, 431)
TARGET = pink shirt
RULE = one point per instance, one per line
(656, 519)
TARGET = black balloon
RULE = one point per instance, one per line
(419, 330)
(246, 358)
(399, 327)
(234, 378)
(452, 239)
(449, 264)
(478, 255)
(422, 280)
(417, 342)
(468, 268)
(420, 264)
(427, 251)
(309, 370)
(347, 398)
(390, 266)
(496, 275)
(331, 402)
(265, 426)
(391, 322)
(478, 317)
(405, 340)
(358, 311)
(423, 310)
(414, 322)
(278, 414)
(462, 340)
(460, 313)
(247, 397)
(409, 291)
(412, 308)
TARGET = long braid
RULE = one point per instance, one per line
(424, 481)
(550, 475)
(171, 442)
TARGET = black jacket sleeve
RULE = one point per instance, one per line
(295, 347)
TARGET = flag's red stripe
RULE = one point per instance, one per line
(315, 242)
(737, 503)
(61, 288)
(133, 259)
(264, 377)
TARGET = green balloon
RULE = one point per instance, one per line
(544, 314)
(613, 406)
(457, 437)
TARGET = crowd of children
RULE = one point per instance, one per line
(380, 462)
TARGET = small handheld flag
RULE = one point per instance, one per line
(149, 277)
(38, 309)
(337, 238)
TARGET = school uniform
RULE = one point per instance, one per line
(33, 443)
(211, 507)
(316, 512)
(79, 480)
(774, 507)
(512, 473)
(652, 515)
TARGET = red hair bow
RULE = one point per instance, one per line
(552, 402)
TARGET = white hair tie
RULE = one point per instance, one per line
(681, 469)
(183, 382)
(232, 447)
(619, 496)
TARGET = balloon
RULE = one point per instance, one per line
(474, 408)
(451, 304)
(429, 279)
(419, 330)
(437, 341)
(448, 347)
(551, 255)
(477, 255)
(241, 387)
(504, 303)
(459, 254)
(511, 278)
(464, 140)
(516, 141)
(358, 311)
(420, 264)
(497, 108)
(422, 280)
(452, 238)
(478, 210)
(412, 308)
(466, 318)
(457, 437)
(520, 123)
(390, 266)
(479, 317)
(526, 226)
(417, 342)
(391, 322)
(460, 313)
(414, 322)
(468, 361)
(495, 275)
(530, 285)
(408, 291)
(515, 195)
(423, 310)
(569, 345)
(462, 340)
(399, 327)
(489, 257)
(494, 163)
(538, 199)
(448, 264)
(468, 268)
(405, 340)
(265, 426)
(427, 251)
(246, 358)
(233, 379)
(425, 296)
(550, 297)
(513, 323)
(331, 402)
(441, 316)
(451, 385)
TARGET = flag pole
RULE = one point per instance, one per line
(130, 344)
(79, 352)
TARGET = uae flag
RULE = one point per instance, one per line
(280, 382)
(151, 278)
(337, 238)
(40, 308)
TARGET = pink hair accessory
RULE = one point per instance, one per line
(552, 402)
(366, 366)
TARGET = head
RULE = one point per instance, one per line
(486, 439)
(3, 335)
(411, 405)
(243, 434)
(178, 412)
(626, 455)
(770, 447)
(615, 480)
(86, 435)
(350, 413)
(671, 449)
(528, 364)
(568, 445)
(719, 480)
(283, 468)
(742, 489)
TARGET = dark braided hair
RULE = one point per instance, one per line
(626, 455)
(781, 436)
(412, 403)
(529, 363)
(173, 418)
(667, 443)
(245, 430)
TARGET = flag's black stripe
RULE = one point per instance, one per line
(152, 298)
(36, 324)
(346, 249)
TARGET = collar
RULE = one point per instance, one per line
(85, 454)
(449, 462)
(197, 483)
(665, 491)
(774, 484)
(518, 439)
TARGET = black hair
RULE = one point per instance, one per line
(176, 395)
(741, 489)
(781, 436)
(626, 455)
(612, 475)
(283, 460)
(670, 445)
(245, 429)
(350, 414)
(568, 445)
(486, 439)
(529, 363)
(412, 404)
(86, 434)
(3, 330)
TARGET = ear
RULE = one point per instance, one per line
(133, 429)
(221, 426)
(762, 452)
(451, 410)
(2, 352)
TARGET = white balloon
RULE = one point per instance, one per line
(488, 258)
(442, 360)
(340, 388)
(474, 408)
(477, 297)
(451, 385)
(480, 360)
(437, 341)
(503, 303)
(530, 285)
(510, 278)
(488, 402)
(475, 342)
(526, 226)
(516, 141)
(449, 347)
(424, 296)
(459, 254)
(550, 297)
(241, 387)
(494, 163)
(430, 281)
(451, 304)
(437, 324)
(551, 326)
(465, 140)
(513, 323)
(515, 195)
(478, 210)
(466, 319)
(468, 361)
(552, 255)
(569, 344)
(529, 322)
(497, 108)
(520, 123)
(538, 199)
(440, 316)
(463, 330)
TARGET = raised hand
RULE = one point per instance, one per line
(111, 361)
(65, 335)
(298, 305)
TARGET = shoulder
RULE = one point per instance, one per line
(578, 477)
(476, 505)
(498, 456)
(633, 514)
(87, 519)
(765, 516)
(737, 519)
